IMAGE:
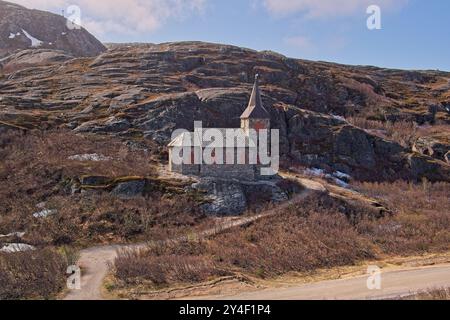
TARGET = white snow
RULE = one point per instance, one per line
(314, 172)
(341, 183)
(44, 213)
(11, 36)
(342, 175)
(89, 157)
(16, 247)
(63, 33)
(41, 205)
(339, 118)
(34, 42)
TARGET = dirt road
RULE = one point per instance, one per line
(94, 261)
(394, 284)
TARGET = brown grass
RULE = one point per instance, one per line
(404, 133)
(137, 267)
(35, 168)
(422, 220)
(319, 232)
(32, 275)
(432, 294)
(300, 238)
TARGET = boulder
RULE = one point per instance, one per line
(129, 189)
(224, 198)
(432, 147)
(232, 197)
(94, 180)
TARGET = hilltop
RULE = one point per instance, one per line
(22, 28)
(363, 121)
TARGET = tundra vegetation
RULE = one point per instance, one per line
(36, 171)
(100, 122)
(321, 232)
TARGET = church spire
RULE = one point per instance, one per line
(255, 109)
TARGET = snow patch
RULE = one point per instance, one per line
(341, 183)
(342, 175)
(89, 157)
(339, 178)
(44, 213)
(11, 35)
(34, 42)
(16, 247)
(315, 172)
(338, 118)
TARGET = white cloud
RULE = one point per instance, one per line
(326, 8)
(300, 42)
(123, 16)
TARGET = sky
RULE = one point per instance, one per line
(414, 34)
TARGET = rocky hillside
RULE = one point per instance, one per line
(21, 28)
(146, 91)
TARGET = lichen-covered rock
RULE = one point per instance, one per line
(232, 197)
(129, 189)
(224, 197)
(32, 58)
(150, 90)
(422, 166)
(263, 192)
(432, 147)
(94, 180)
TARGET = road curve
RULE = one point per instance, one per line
(95, 261)
(394, 284)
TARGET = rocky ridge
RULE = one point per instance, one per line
(146, 91)
(22, 28)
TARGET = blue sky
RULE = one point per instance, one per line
(415, 34)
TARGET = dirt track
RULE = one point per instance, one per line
(94, 261)
(394, 284)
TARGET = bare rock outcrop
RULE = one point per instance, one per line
(22, 28)
(148, 90)
(232, 197)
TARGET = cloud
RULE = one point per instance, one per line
(326, 8)
(300, 42)
(123, 16)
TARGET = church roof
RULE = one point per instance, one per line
(255, 109)
(193, 139)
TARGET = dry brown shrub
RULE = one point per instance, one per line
(404, 133)
(35, 167)
(36, 274)
(442, 294)
(318, 232)
(301, 238)
(136, 266)
(422, 220)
